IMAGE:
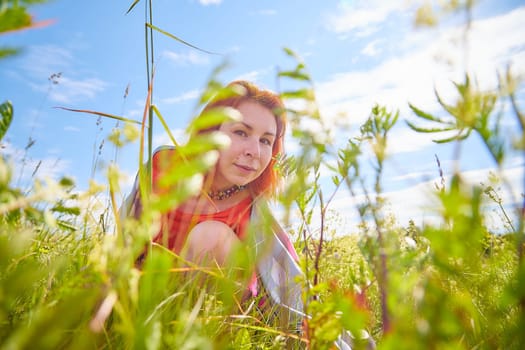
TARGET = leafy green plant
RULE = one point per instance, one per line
(66, 282)
(14, 16)
(6, 111)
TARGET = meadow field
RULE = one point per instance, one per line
(68, 272)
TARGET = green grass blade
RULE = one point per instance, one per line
(420, 113)
(459, 137)
(180, 40)
(8, 51)
(6, 111)
(213, 117)
(428, 130)
(306, 94)
(297, 75)
(14, 18)
(450, 109)
(161, 305)
(292, 54)
(165, 125)
(132, 6)
(106, 115)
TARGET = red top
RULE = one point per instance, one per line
(176, 224)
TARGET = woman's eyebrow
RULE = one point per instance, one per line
(249, 127)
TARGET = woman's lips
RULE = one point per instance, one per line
(244, 167)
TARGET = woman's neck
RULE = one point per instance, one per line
(225, 203)
(225, 193)
(204, 204)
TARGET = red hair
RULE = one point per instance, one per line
(244, 91)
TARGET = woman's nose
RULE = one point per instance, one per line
(252, 149)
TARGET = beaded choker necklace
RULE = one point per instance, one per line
(227, 193)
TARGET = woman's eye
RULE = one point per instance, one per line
(266, 142)
(240, 132)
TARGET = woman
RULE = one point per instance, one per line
(206, 228)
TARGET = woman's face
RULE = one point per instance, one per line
(251, 146)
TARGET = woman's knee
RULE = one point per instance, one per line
(210, 241)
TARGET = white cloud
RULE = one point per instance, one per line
(233, 49)
(187, 96)
(361, 17)
(43, 60)
(414, 176)
(54, 65)
(71, 128)
(210, 2)
(25, 168)
(136, 113)
(48, 167)
(267, 12)
(186, 58)
(163, 138)
(71, 90)
(506, 45)
(407, 140)
(412, 76)
(371, 49)
(514, 161)
(254, 76)
(347, 98)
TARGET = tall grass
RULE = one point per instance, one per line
(67, 283)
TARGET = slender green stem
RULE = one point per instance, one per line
(321, 238)
(146, 40)
(150, 79)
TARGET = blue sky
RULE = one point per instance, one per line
(358, 53)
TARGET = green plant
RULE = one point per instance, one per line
(65, 282)
(14, 16)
